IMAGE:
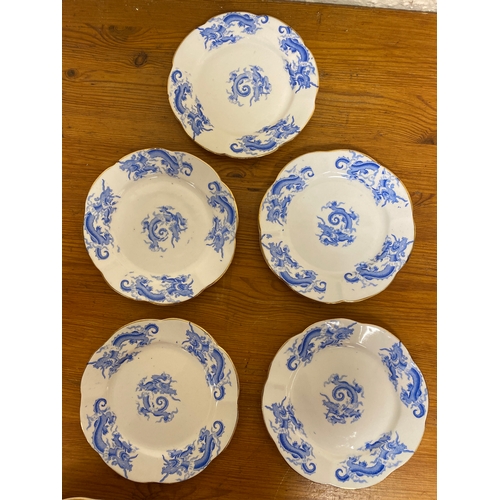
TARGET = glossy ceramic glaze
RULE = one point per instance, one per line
(345, 403)
(160, 225)
(336, 226)
(242, 84)
(159, 400)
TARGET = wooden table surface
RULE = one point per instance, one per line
(377, 95)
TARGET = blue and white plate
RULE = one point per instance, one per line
(159, 400)
(160, 225)
(242, 85)
(345, 404)
(336, 226)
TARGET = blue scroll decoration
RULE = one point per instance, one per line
(187, 105)
(385, 187)
(97, 221)
(106, 439)
(267, 138)
(407, 376)
(249, 82)
(290, 435)
(158, 288)
(155, 161)
(345, 402)
(187, 462)
(155, 396)
(314, 340)
(298, 62)
(224, 226)
(229, 28)
(283, 190)
(384, 265)
(212, 359)
(300, 279)
(379, 456)
(339, 227)
(162, 224)
(123, 348)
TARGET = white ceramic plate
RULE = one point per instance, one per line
(336, 226)
(159, 400)
(345, 404)
(242, 85)
(160, 226)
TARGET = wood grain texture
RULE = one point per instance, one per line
(377, 95)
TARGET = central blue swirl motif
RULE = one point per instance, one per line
(283, 190)
(123, 348)
(401, 371)
(341, 228)
(346, 400)
(289, 431)
(229, 28)
(155, 161)
(316, 339)
(167, 288)
(249, 82)
(267, 138)
(212, 360)
(223, 229)
(381, 455)
(282, 263)
(187, 106)
(97, 221)
(299, 60)
(154, 397)
(385, 187)
(106, 439)
(385, 264)
(160, 225)
(196, 456)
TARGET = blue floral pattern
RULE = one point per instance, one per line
(187, 462)
(97, 221)
(155, 161)
(290, 433)
(407, 376)
(188, 106)
(106, 439)
(123, 348)
(162, 224)
(298, 63)
(345, 402)
(155, 395)
(300, 279)
(384, 265)
(385, 187)
(283, 190)
(314, 340)
(212, 359)
(382, 454)
(161, 289)
(267, 139)
(339, 228)
(249, 82)
(223, 228)
(229, 28)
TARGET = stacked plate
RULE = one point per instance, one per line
(344, 402)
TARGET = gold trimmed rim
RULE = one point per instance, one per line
(342, 300)
(206, 286)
